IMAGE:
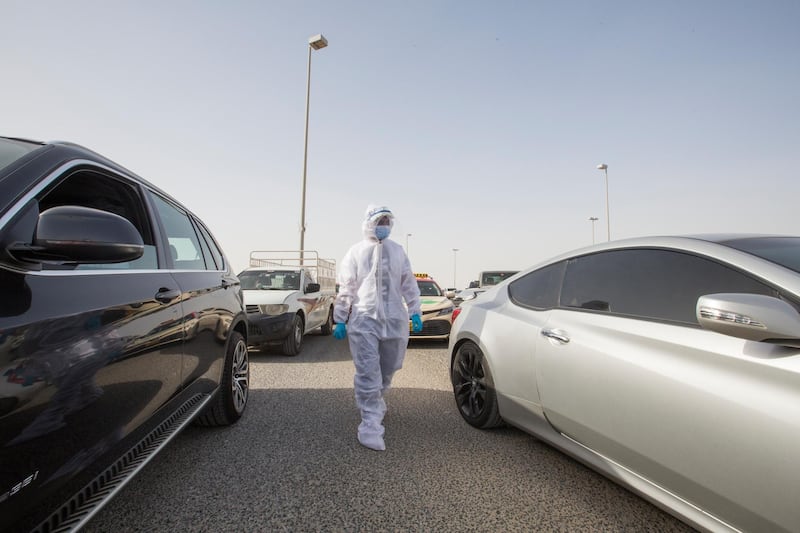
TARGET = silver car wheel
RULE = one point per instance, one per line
(473, 387)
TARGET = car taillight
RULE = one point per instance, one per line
(456, 312)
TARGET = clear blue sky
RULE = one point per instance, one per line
(479, 123)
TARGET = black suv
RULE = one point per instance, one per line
(120, 323)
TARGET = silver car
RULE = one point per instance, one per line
(669, 364)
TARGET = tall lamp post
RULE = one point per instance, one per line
(593, 219)
(316, 42)
(407, 236)
(454, 267)
(604, 168)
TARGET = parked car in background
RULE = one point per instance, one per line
(437, 310)
(490, 278)
(120, 323)
(288, 294)
(669, 364)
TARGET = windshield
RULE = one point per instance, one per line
(11, 150)
(429, 288)
(275, 280)
(495, 277)
(784, 251)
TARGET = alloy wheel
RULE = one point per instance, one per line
(240, 374)
(469, 381)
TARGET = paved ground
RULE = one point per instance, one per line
(293, 464)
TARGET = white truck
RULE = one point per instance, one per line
(287, 294)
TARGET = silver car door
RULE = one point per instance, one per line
(712, 418)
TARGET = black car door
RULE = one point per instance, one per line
(209, 293)
(88, 352)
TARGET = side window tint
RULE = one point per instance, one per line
(539, 289)
(210, 247)
(184, 245)
(651, 284)
(87, 187)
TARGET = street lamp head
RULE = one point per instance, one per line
(593, 218)
(602, 166)
(318, 41)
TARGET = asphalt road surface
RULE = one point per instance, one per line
(293, 463)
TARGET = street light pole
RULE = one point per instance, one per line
(454, 267)
(604, 168)
(314, 43)
(593, 219)
(407, 252)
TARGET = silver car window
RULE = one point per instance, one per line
(650, 284)
(784, 251)
(538, 289)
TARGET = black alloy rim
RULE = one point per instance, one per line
(470, 382)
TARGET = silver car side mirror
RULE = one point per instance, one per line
(753, 317)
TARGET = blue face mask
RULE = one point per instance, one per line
(381, 232)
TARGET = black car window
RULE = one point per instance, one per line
(184, 244)
(99, 190)
(210, 246)
(650, 284)
(538, 289)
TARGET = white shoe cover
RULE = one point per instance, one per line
(372, 441)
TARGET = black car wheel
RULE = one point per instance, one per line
(327, 327)
(473, 387)
(294, 341)
(234, 389)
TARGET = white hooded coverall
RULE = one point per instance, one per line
(375, 277)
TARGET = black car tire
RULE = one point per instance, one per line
(294, 341)
(234, 389)
(327, 327)
(473, 387)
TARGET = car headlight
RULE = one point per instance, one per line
(274, 309)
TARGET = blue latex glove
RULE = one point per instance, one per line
(416, 323)
(340, 331)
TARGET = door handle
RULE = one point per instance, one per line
(165, 295)
(557, 335)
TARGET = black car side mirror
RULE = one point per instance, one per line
(75, 234)
(312, 287)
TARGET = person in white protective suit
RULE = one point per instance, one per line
(375, 278)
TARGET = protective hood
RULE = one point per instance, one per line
(371, 217)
